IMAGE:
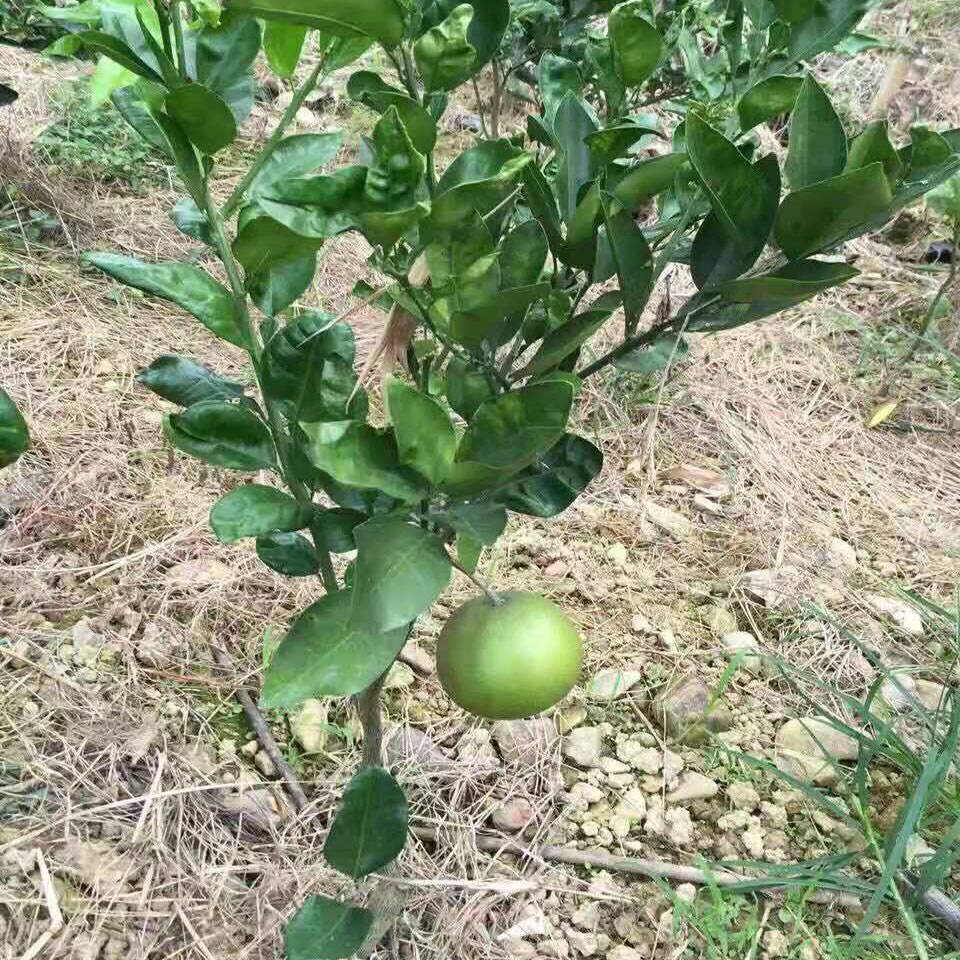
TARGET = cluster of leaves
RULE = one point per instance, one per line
(496, 260)
(24, 23)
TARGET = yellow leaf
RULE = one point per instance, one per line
(881, 412)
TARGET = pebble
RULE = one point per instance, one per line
(418, 658)
(841, 554)
(667, 520)
(250, 748)
(632, 805)
(639, 757)
(569, 718)
(264, 764)
(310, 726)
(587, 915)
(618, 555)
(897, 612)
(688, 710)
(514, 815)
(719, 619)
(524, 742)
(805, 748)
(743, 796)
(583, 746)
(775, 587)
(693, 786)
(640, 625)
(612, 767)
(739, 641)
(613, 684)
(587, 792)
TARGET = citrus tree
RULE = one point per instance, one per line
(497, 270)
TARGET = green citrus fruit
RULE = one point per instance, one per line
(510, 659)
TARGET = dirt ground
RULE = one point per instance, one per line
(138, 819)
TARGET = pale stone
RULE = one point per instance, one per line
(632, 805)
(639, 757)
(930, 693)
(418, 658)
(612, 684)
(718, 619)
(264, 764)
(569, 718)
(903, 616)
(740, 642)
(583, 745)
(617, 554)
(800, 754)
(667, 520)
(743, 796)
(686, 892)
(514, 815)
(399, 676)
(688, 710)
(310, 726)
(524, 742)
(679, 826)
(842, 554)
(587, 792)
(773, 587)
(693, 786)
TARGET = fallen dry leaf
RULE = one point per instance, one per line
(707, 481)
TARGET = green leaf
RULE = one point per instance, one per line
(572, 124)
(340, 52)
(278, 263)
(203, 117)
(358, 455)
(559, 477)
(117, 51)
(945, 199)
(873, 145)
(644, 181)
(468, 552)
(635, 42)
(369, 89)
(654, 356)
(768, 99)
(489, 24)
(401, 569)
(333, 528)
(742, 197)
(612, 143)
(290, 554)
(294, 157)
(325, 929)
(370, 828)
(252, 510)
(222, 434)
(560, 343)
(183, 284)
(795, 282)
(131, 106)
(814, 218)
(444, 56)
(425, 436)
(282, 45)
(186, 382)
(380, 19)
(509, 430)
(927, 151)
(325, 654)
(826, 26)
(191, 221)
(818, 142)
(467, 387)
(308, 364)
(183, 154)
(225, 56)
(483, 522)
(633, 259)
(14, 435)
(556, 77)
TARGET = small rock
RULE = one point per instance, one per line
(583, 746)
(693, 786)
(589, 828)
(524, 742)
(197, 574)
(841, 554)
(897, 612)
(475, 747)
(752, 839)
(687, 713)
(618, 555)
(639, 757)
(686, 892)
(612, 684)
(720, 620)
(399, 676)
(800, 754)
(743, 796)
(775, 587)
(264, 764)
(740, 642)
(569, 718)
(612, 767)
(408, 746)
(667, 520)
(672, 765)
(557, 570)
(250, 748)
(899, 691)
(583, 944)
(619, 826)
(418, 658)
(587, 793)
(513, 816)
(703, 504)
(640, 625)
(632, 805)
(534, 924)
(930, 693)
(775, 944)
(679, 826)
(587, 915)
(310, 725)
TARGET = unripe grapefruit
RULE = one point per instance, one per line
(510, 659)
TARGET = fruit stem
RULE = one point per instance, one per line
(492, 596)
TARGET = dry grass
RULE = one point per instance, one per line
(104, 518)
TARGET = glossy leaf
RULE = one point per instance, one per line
(818, 142)
(185, 382)
(324, 654)
(325, 929)
(369, 89)
(333, 528)
(116, 50)
(927, 151)
(224, 58)
(358, 455)
(401, 569)
(873, 145)
(742, 197)
(308, 364)
(444, 56)
(380, 19)
(631, 254)
(614, 142)
(572, 124)
(290, 554)
(203, 117)
(370, 828)
(635, 42)
(523, 254)
(825, 25)
(644, 181)
(487, 27)
(467, 387)
(770, 98)
(191, 221)
(560, 343)
(509, 430)
(425, 436)
(131, 106)
(183, 284)
(468, 552)
(556, 77)
(14, 434)
(254, 509)
(481, 521)
(222, 434)
(184, 155)
(294, 157)
(282, 46)
(811, 219)
(558, 478)
(794, 282)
